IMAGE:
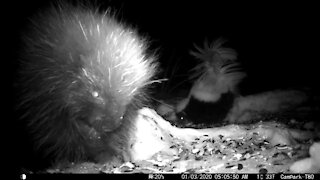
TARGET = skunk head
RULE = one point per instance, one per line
(218, 72)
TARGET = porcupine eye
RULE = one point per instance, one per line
(97, 98)
(95, 94)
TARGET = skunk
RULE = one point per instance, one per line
(214, 96)
(213, 93)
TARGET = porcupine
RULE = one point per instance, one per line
(83, 75)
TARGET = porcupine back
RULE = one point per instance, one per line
(81, 79)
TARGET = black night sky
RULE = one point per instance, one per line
(277, 43)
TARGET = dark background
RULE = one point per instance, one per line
(277, 43)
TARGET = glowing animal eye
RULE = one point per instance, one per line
(95, 94)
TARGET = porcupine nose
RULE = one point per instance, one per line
(112, 125)
(107, 122)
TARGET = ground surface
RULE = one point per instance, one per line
(270, 146)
